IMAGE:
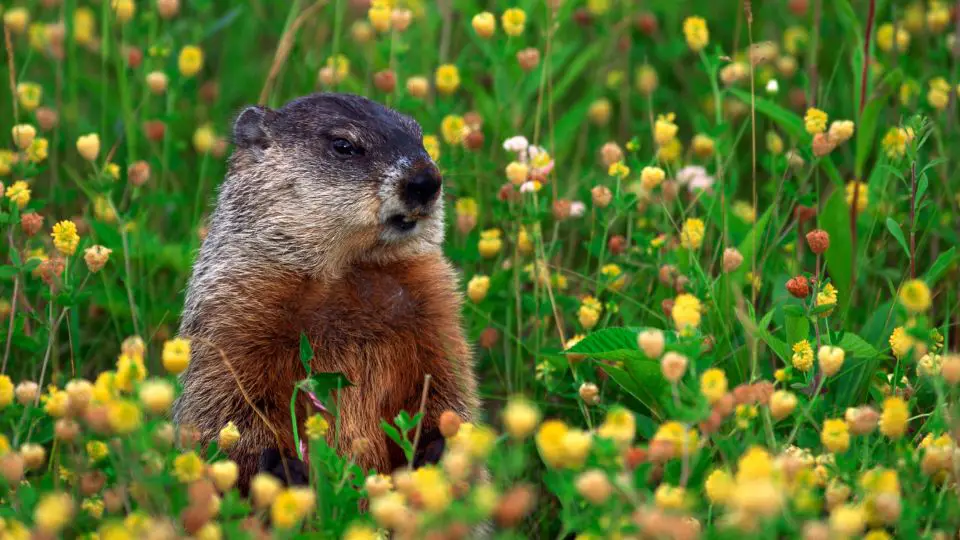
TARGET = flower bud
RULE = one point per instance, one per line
(520, 418)
(89, 146)
(23, 135)
(138, 173)
(47, 118)
(224, 474)
(11, 468)
(782, 403)
(26, 392)
(861, 420)
(610, 153)
(31, 223)
(818, 240)
(168, 8)
(799, 287)
(651, 342)
(264, 488)
(528, 58)
(589, 393)
(33, 455)
(830, 359)
(594, 486)
(822, 144)
(484, 24)
(673, 366)
(385, 81)
(418, 87)
(96, 258)
(449, 424)
(601, 196)
(732, 259)
(66, 429)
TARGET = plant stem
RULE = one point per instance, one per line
(423, 405)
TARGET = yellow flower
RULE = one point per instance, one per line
(19, 193)
(915, 296)
(453, 128)
(89, 146)
(755, 464)
(618, 170)
(802, 358)
(589, 312)
(719, 486)
(686, 312)
(188, 467)
(745, 211)
(886, 37)
(893, 420)
(862, 198)
(895, 142)
(830, 359)
(53, 512)
(176, 355)
(224, 474)
(38, 150)
(696, 32)
(29, 95)
(646, 79)
(379, 15)
(157, 395)
(286, 510)
(466, 206)
(339, 65)
(228, 436)
(477, 288)
(702, 145)
(484, 24)
(794, 38)
(65, 237)
(615, 276)
(55, 402)
(130, 370)
(433, 488)
(815, 121)
(84, 25)
(490, 243)
(23, 135)
(669, 497)
(513, 21)
(664, 130)
(651, 177)
(901, 342)
(713, 384)
(691, 235)
(846, 521)
(835, 435)
(358, 531)
(432, 146)
(550, 442)
(317, 427)
(123, 9)
(6, 391)
(745, 415)
(619, 426)
(204, 138)
(447, 79)
(520, 418)
(683, 441)
(124, 416)
(774, 143)
(94, 507)
(827, 297)
(190, 60)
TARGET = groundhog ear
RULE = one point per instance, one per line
(251, 128)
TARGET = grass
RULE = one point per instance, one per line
(645, 368)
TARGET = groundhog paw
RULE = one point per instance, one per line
(430, 449)
(272, 462)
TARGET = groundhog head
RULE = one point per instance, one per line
(329, 179)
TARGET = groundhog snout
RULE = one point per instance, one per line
(422, 188)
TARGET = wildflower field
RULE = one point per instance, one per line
(708, 253)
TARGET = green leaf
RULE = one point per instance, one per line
(835, 219)
(320, 385)
(8, 271)
(306, 352)
(607, 340)
(897, 233)
(867, 132)
(940, 266)
(857, 346)
(798, 328)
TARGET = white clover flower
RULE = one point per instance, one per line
(517, 143)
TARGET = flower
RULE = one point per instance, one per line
(691, 235)
(520, 418)
(815, 121)
(895, 142)
(23, 135)
(6, 391)
(830, 359)
(447, 79)
(359, 531)
(589, 312)
(432, 487)
(686, 312)
(651, 177)
(53, 512)
(89, 146)
(703, 145)
(39, 150)
(664, 130)
(124, 416)
(619, 425)
(317, 427)
(188, 467)
(719, 486)
(96, 450)
(190, 60)
(802, 358)
(827, 297)
(224, 474)
(513, 21)
(176, 355)
(287, 509)
(651, 342)
(673, 365)
(841, 131)
(228, 436)
(886, 36)
(682, 441)
(65, 237)
(915, 296)
(696, 32)
(846, 521)
(19, 193)
(264, 488)
(490, 243)
(484, 24)
(713, 384)
(453, 128)
(853, 187)
(835, 435)
(96, 258)
(782, 403)
(156, 395)
(894, 418)
(668, 497)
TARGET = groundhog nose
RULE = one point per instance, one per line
(422, 188)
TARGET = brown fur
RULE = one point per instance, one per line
(384, 326)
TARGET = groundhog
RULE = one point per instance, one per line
(329, 224)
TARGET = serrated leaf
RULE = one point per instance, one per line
(857, 346)
(897, 233)
(798, 328)
(607, 340)
(940, 266)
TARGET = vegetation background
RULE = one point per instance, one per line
(631, 189)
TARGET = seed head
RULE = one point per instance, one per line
(818, 240)
(732, 259)
(799, 287)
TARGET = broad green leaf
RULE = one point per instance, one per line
(857, 347)
(835, 219)
(798, 328)
(306, 352)
(897, 233)
(940, 266)
(605, 341)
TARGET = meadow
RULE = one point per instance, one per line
(708, 252)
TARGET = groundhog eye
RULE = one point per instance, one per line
(345, 147)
